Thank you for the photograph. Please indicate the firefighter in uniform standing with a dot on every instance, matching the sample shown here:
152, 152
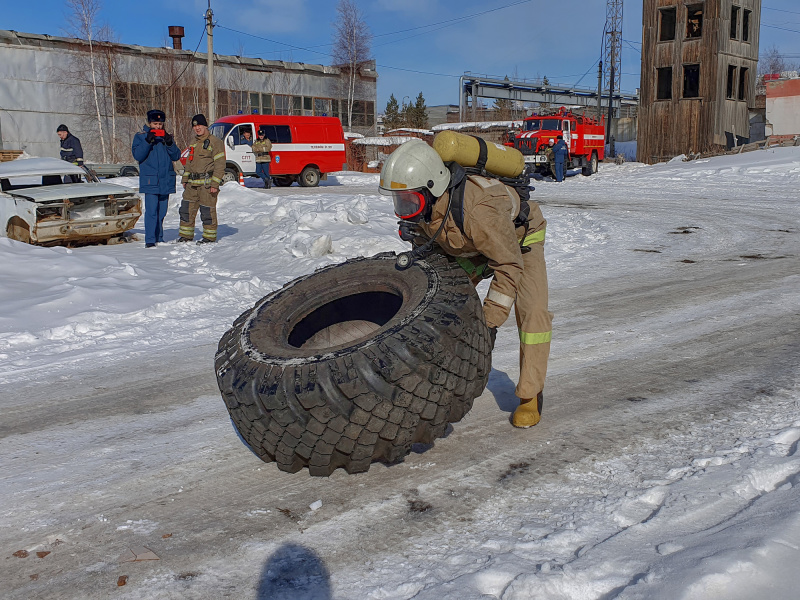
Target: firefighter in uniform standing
201, 181
261, 148
491, 240
551, 157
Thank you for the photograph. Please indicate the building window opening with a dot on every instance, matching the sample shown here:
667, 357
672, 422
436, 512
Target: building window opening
743, 83
664, 91
734, 22
691, 81
694, 22
746, 25
668, 18
730, 93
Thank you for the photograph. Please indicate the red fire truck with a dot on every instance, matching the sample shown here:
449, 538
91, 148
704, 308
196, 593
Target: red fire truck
584, 136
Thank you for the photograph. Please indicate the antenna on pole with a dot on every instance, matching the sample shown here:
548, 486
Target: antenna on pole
212, 109
612, 58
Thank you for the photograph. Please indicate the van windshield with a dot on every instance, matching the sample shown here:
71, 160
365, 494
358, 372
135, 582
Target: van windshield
220, 130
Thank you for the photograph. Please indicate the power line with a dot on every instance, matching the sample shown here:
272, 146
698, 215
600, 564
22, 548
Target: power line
445, 23
791, 12
188, 63
781, 28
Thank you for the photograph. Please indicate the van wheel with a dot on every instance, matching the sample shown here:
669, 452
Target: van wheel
129, 172
309, 177
230, 175
18, 230
285, 181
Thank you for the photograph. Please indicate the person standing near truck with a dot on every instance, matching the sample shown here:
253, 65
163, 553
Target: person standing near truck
155, 149
562, 152
261, 148
201, 181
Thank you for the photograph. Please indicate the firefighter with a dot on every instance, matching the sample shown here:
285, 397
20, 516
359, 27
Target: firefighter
71, 150
499, 236
155, 149
201, 181
551, 157
261, 148
561, 153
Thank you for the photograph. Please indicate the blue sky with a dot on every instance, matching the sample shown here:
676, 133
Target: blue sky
532, 38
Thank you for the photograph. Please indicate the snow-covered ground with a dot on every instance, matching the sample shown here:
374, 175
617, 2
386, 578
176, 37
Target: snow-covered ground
666, 465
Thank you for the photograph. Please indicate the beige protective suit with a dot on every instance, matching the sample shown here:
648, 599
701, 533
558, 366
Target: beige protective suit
491, 241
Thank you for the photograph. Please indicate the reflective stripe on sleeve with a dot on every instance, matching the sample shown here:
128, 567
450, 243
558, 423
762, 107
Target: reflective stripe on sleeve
218, 156
216, 180
534, 238
531, 339
500, 298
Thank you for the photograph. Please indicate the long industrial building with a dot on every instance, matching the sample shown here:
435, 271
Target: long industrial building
48, 80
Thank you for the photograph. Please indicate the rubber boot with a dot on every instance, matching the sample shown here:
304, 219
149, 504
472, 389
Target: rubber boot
528, 413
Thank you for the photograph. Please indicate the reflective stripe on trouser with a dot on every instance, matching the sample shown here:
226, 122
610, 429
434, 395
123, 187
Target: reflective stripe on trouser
198, 198
534, 321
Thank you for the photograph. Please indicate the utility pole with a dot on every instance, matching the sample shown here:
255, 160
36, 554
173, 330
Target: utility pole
599, 90
212, 109
612, 56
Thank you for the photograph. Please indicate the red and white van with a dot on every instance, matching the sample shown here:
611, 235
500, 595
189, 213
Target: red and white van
304, 149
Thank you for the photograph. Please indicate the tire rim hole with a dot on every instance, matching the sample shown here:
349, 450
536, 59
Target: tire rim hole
345, 320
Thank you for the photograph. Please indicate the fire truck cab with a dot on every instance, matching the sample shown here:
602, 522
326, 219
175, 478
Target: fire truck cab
583, 135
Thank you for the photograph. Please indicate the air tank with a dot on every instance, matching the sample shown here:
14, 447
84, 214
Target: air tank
465, 149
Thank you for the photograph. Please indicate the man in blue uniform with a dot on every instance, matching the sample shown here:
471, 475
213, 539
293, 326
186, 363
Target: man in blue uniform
561, 153
155, 149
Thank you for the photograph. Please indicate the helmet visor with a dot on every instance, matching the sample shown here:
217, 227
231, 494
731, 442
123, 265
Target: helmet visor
407, 203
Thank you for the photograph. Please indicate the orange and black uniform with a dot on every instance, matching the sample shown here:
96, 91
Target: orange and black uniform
205, 167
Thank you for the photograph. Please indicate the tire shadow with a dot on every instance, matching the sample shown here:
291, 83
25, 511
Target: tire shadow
502, 388
294, 572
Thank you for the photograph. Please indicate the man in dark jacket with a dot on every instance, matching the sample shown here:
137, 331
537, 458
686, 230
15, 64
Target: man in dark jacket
155, 149
71, 150
562, 153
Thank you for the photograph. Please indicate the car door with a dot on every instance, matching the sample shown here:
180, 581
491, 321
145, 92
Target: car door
568, 138
238, 150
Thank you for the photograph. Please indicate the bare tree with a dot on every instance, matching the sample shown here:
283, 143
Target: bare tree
772, 61
351, 48
83, 23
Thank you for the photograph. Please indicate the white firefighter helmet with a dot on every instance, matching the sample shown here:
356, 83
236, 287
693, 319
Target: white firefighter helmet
413, 166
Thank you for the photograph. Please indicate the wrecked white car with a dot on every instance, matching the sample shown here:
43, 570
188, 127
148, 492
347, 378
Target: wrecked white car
49, 201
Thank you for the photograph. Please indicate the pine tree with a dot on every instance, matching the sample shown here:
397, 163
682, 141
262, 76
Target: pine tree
391, 116
420, 113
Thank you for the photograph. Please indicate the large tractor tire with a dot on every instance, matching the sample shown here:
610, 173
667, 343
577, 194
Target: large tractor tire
355, 363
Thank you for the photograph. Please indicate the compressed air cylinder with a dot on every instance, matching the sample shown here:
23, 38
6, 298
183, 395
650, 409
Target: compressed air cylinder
465, 149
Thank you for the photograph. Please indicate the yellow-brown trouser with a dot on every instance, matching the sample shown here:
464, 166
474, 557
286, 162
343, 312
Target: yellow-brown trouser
196, 197
534, 320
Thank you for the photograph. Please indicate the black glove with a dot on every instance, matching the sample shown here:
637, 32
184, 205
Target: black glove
150, 138
492, 336
168, 139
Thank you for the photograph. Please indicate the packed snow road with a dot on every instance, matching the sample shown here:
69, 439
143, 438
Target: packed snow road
666, 464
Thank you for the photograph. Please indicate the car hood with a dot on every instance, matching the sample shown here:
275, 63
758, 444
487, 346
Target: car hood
53, 193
